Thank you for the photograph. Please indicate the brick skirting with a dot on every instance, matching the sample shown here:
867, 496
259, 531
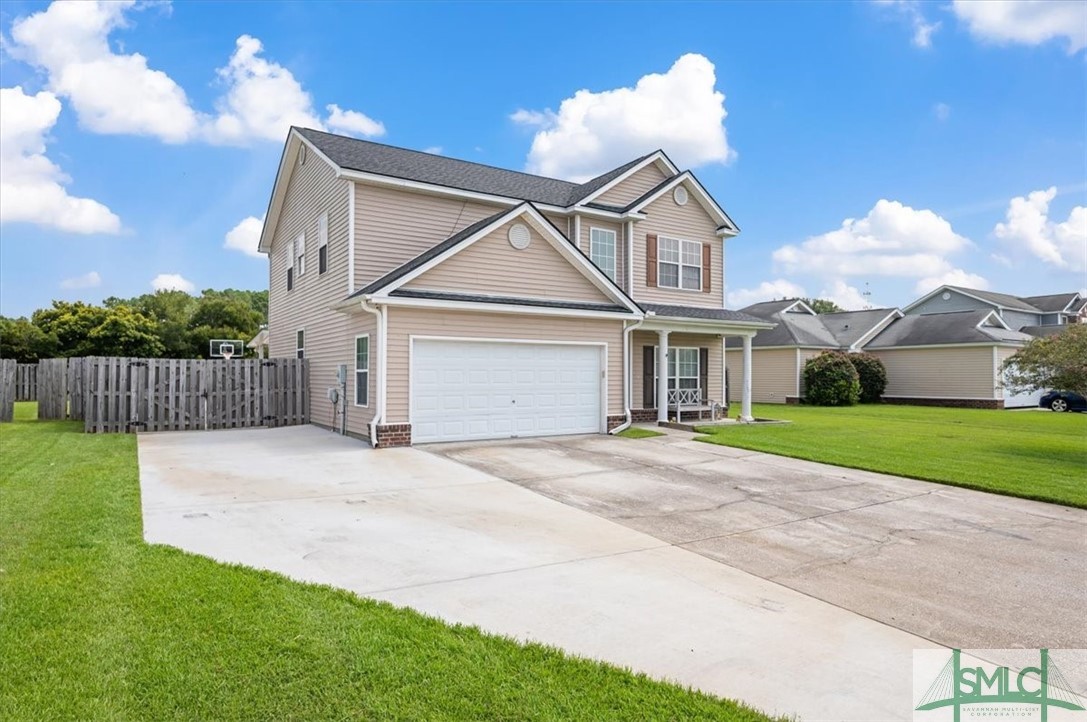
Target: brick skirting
614, 421
792, 400
389, 435
955, 403
643, 416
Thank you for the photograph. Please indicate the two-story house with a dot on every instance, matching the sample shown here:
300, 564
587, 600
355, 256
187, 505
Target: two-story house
473, 302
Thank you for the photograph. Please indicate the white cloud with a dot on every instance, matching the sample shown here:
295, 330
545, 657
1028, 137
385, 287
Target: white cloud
1063, 245
892, 240
846, 296
433, 150
910, 10
1002, 260
31, 186
245, 236
172, 282
765, 291
110, 92
353, 122
1026, 21
942, 111
87, 280
954, 277
679, 111
119, 93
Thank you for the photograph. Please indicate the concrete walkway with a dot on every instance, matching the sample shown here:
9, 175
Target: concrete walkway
420, 530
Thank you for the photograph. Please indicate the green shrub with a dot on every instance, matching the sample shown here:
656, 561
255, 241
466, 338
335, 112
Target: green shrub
831, 380
872, 375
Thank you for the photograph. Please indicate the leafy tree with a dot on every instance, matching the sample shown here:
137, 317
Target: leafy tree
23, 341
1053, 362
872, 375
85, 330
823, 305
71, 323
171, 311
831, 380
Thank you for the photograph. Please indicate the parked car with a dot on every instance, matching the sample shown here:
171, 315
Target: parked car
1063, 401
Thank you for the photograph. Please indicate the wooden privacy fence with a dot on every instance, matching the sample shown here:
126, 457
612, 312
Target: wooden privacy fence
26, 382
7, 389
53, 388
123, 394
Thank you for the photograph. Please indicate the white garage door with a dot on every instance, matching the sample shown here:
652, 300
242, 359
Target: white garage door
497, 390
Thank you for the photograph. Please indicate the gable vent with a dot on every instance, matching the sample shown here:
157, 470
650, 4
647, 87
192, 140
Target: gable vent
519, 236
680, 196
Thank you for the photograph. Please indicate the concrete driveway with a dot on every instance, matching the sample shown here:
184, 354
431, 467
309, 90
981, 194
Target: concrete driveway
416, 528
961, 568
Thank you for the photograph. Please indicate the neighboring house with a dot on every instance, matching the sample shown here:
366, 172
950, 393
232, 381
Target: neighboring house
949, 359
779, 354
470, 302
1033, 315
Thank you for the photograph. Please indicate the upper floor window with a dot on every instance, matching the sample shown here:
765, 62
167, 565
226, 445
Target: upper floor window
300, 344
602, 250
679, 264
289, 263
322, 243
300, 254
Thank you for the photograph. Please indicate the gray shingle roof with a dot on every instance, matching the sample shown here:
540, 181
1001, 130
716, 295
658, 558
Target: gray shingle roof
709, 314
1000, 299
848, 327
542, 303
1051, 303
943, 328
1043, 331
387, 160
768, 308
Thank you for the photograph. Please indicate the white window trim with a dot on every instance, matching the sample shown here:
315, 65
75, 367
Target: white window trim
322, 241
681, 265
301, 348
614, 251
355, 349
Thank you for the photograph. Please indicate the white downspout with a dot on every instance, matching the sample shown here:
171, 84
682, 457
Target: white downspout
382, 327
628, 371
577, 230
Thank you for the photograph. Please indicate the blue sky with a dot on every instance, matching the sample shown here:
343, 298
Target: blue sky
890, 145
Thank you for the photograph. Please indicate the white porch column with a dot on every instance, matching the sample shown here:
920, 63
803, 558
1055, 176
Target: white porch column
724, 376
662, 375
745, 402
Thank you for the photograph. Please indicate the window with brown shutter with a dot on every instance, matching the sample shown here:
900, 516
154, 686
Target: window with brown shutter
651, 260
706, 256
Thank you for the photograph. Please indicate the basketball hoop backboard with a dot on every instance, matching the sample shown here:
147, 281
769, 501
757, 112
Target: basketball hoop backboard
226, 348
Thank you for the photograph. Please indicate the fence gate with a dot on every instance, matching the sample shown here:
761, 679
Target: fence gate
7, 389
53, 388
26, 382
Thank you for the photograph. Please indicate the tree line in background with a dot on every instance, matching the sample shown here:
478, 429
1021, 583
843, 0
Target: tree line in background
165, 324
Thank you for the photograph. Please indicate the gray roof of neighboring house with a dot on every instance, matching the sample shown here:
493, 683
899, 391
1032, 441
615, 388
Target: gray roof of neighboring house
1051, 303
848, 327
709, 314
387, 160
1042, 331
943, 328
1000, 299
793, 329
543, 303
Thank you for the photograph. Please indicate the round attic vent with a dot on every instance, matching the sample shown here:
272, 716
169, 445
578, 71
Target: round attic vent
519, 236
946, 296
680, 196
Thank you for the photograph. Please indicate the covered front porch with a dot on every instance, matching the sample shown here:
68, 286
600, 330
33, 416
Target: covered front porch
692, 350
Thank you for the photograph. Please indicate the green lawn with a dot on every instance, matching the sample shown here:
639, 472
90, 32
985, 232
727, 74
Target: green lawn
634, 432
97, 625
1033, 454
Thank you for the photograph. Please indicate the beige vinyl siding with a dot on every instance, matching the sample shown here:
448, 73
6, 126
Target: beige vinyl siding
773, 375
562, 223
492, 266
620, 245
940, 373
688, 222
394, 226
634, 187
406, 322
313, 189
641, 339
